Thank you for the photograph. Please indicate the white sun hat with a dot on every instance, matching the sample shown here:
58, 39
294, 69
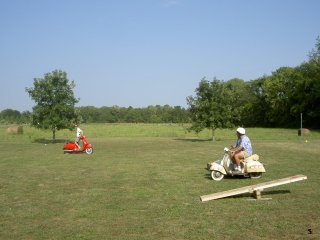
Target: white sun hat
241, 130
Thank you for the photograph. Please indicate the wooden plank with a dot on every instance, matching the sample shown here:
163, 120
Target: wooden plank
253, 188
278, 182
224, 194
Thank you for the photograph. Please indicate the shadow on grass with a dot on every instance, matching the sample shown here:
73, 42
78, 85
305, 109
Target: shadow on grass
264, 194
48, 141
226, 177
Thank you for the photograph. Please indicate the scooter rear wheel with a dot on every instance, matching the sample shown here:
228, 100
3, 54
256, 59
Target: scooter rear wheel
216, 175
255, 175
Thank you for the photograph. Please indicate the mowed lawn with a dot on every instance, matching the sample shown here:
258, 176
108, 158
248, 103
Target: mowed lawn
144, 181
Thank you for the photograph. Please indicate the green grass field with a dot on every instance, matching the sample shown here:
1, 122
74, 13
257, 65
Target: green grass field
143, 181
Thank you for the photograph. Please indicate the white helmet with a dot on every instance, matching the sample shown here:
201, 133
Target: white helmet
241, 130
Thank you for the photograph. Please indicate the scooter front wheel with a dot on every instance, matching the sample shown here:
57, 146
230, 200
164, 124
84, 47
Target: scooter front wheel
89, 150
216, 175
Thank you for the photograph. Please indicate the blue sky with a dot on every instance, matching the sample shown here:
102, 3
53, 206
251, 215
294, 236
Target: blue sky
147, 52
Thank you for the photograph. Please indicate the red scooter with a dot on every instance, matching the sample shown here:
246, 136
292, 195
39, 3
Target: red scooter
71, 147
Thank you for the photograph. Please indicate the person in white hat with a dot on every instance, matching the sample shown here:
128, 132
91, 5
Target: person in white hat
79, 133
244, 149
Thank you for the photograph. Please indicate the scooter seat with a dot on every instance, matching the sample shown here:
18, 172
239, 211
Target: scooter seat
254, 157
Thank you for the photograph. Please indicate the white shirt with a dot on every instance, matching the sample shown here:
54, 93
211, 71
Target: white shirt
79, 131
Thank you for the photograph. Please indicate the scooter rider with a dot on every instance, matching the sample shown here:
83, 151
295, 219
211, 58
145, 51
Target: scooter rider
243, 149
79, 133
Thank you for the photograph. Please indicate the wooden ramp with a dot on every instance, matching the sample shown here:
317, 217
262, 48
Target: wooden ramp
255, 189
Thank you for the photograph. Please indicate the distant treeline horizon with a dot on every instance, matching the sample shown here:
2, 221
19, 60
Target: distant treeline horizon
113, 114
277, 100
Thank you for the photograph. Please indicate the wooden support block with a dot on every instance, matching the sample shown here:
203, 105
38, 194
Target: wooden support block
257, 194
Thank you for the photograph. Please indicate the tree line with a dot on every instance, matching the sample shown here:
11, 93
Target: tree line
276, 100
14, 116
150, 114
114, 114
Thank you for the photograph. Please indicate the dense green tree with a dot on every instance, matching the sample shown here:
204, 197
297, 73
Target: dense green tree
214, 106
55, 102
278, 91
14, 116
281, 97
240, 98
154, 114
256, 107
179, 115
132, 115
314, 55
10, 116
89, 114
26, 117
306, 97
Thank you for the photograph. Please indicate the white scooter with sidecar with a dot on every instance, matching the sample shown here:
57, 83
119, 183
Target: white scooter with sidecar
250, 166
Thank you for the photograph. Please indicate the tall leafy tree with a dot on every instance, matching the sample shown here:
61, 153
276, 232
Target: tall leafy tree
279, 89
240, 98
311, 87
213, 107
314, 55
55, 102
307, 93
255, 106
